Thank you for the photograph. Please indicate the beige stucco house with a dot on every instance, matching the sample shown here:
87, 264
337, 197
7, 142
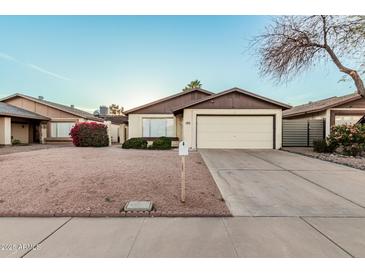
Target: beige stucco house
52, 125
234, 118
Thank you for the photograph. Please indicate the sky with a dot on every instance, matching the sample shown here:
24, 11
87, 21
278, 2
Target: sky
90, 61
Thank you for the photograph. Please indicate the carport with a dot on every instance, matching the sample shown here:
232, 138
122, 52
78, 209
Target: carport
19, 124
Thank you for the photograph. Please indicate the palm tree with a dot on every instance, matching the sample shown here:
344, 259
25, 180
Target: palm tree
192, 85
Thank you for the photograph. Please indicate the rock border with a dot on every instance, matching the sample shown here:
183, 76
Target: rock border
330, 157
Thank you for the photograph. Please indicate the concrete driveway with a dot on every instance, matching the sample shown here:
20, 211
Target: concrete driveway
279, 183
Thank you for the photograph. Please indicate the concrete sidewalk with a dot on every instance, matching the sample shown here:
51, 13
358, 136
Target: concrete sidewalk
183, 237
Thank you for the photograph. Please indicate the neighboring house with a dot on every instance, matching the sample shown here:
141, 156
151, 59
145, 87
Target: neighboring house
58, 119
234, 118
335, 110
19, 124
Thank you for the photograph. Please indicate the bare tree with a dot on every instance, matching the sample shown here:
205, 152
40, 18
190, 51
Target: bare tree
292, 44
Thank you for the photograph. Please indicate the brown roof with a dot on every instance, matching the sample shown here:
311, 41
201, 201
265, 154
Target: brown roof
116, 119
168, 98
321, 105
68, 109
239, 90
13, 111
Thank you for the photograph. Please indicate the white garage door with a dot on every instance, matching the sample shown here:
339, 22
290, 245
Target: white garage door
235, 132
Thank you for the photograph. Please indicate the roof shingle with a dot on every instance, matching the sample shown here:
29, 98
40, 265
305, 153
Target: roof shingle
116, 119
13, 111
320, 105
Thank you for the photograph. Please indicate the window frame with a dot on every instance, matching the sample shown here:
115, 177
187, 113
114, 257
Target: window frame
173, 133
55, 123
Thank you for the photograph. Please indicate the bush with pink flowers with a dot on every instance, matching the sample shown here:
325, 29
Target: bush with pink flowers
90, 134
350, 139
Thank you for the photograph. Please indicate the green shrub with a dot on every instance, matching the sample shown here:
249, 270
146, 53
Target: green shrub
322, 146
162, 143
136, 143
90, 134
15, 142
350, 138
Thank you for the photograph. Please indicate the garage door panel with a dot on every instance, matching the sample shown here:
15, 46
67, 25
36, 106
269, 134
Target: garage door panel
235, 132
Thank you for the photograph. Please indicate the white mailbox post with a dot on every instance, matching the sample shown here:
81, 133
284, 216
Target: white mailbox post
183, 151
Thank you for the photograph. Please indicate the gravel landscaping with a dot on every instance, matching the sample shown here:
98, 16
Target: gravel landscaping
71, 181
355, 162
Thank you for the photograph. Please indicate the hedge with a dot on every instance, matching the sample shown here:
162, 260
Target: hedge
136, 143
161, 143
90, 134
322, 146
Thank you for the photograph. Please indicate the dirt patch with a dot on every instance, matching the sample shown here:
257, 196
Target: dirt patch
355, 162
72, 181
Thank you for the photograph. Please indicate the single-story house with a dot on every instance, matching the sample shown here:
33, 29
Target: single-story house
337, 110
17, 124
58, 119
234, 118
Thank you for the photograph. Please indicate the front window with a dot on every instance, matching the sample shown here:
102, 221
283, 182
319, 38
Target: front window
157, 127
346, 119
61, 129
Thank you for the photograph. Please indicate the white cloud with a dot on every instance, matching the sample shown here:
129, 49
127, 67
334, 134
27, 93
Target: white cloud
48, 72
7, 57
34, 67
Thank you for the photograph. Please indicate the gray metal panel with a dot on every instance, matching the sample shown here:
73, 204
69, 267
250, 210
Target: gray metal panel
302, 132
316, 130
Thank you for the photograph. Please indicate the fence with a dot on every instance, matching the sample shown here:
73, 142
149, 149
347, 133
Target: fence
301, 133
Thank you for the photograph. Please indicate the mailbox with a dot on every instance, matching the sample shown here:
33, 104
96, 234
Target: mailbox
183, 149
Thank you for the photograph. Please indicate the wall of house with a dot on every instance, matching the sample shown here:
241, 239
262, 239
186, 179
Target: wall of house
135, 123
122, 133
309, 116
179, 126
234, 100
20, 131
189, 122
114, 132
167, 106
5, 131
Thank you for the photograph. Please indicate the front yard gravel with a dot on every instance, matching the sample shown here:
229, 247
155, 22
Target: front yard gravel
70, 181
355, 162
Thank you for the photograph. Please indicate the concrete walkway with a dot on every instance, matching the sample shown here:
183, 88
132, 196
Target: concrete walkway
278, 183
183, 237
